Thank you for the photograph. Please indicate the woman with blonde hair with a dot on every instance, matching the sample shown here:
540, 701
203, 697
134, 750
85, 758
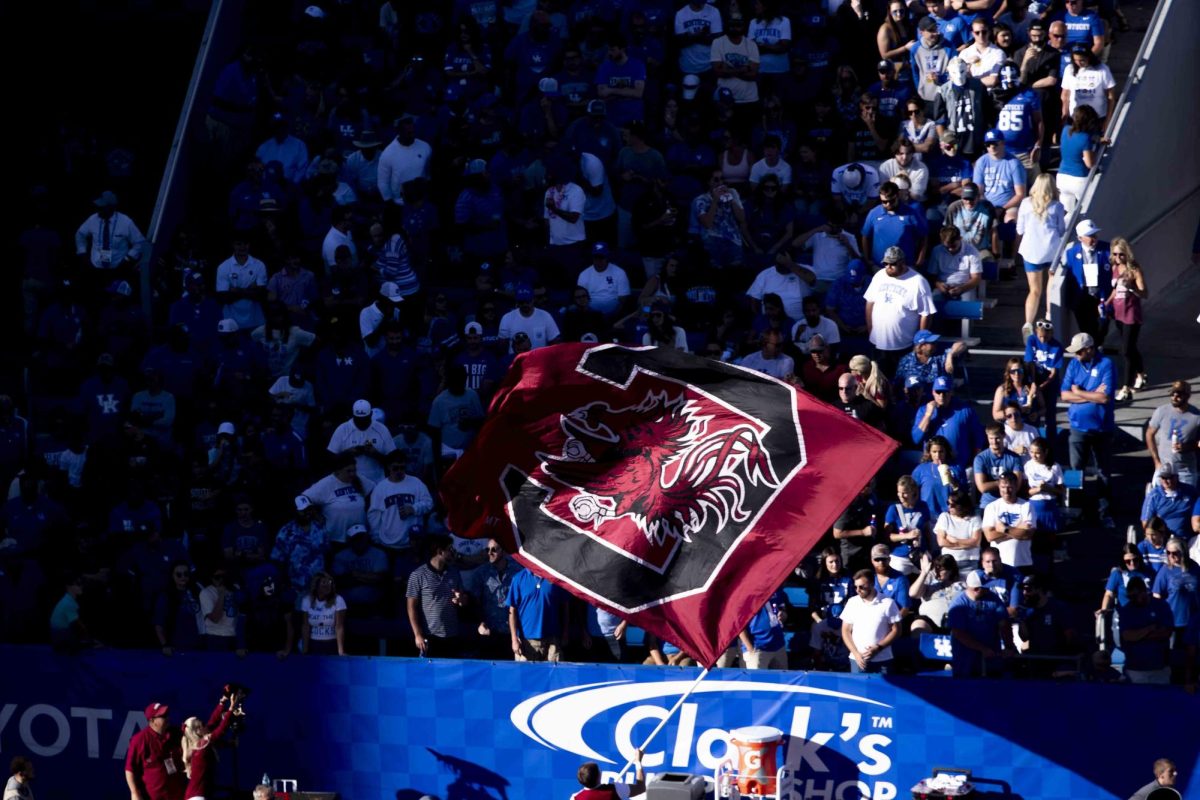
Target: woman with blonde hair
1041, 224
1129, 290
199, 755
323, 615
872, 383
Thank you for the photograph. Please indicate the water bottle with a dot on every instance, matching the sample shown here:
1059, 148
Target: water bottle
266, 781
1103, 311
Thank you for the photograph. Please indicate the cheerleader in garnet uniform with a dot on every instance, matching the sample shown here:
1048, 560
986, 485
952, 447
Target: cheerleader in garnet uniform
199, 755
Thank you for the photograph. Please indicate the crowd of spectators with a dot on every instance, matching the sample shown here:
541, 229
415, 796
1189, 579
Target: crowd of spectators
409, 199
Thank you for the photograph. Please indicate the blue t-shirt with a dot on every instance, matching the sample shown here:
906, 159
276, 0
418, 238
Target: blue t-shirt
904, 230
847, 300
992, 466
1082, 28
891, 98
934, 493
895, 586
834, 592
980, 619
765, 628
622, 110
1147, 654
1017, 124
945, 169
959, 424
1006, 584
1045, 356
1155, 557
1175, 510
906, 519
1181, 589
1091, 417
998, 177
1072, 146
1119, 579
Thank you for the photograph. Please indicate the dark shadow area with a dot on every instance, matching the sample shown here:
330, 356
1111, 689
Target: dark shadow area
471, 781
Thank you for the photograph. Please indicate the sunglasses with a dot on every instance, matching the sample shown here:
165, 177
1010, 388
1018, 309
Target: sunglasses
1175, 553
859, 588
1046, 326
1014, 371
1010, 416
1129, 560
494, 550
880, 560
1057, 35
979, 33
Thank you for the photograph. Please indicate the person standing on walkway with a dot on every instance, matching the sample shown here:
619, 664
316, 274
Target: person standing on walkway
1087, 387
1125, 302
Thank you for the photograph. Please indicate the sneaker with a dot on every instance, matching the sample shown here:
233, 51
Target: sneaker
1026, 331
1124, 395
1141, 382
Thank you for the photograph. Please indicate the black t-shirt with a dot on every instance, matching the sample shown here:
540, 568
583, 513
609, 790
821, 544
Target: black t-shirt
863, 409
858, 515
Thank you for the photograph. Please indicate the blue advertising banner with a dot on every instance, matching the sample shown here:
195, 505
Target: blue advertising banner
397, 729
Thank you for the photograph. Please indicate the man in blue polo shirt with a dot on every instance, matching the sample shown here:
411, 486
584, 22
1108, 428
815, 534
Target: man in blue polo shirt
891, 223
889, 582
1001, 178
993, 462
536, 617
1088, 387
763, 640
947, 416
1171, 501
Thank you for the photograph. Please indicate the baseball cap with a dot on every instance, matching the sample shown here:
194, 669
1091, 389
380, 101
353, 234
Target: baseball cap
597, 108
589, 338
994, 135
852, 176
366, 140
942, 383
883, 66
121, 287
105, 200
391, 291
226, 429
1080, 341
157, 710
1079, 48
1037, 8
302, 502
521, 336
473, 327
974, 581
362, 408
227, 326
523, 292
893, 255
1085, 227
927, 24
1167, 470
723, 95
476, 166
691, 85
912, 382
316, 12
922, 337
970, 192
856, 269
816, 342
356, 530
600, 249
949, 137
548, 86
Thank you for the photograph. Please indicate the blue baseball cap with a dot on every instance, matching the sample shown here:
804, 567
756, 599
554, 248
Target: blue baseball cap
600, 249
994, 135
856, 269
911, 382
943, 384
921, 337
524, 292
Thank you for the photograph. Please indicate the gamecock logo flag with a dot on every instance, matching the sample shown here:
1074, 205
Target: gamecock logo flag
675, 491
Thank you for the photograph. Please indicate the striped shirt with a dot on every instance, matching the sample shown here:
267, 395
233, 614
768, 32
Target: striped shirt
393, 265
434, 589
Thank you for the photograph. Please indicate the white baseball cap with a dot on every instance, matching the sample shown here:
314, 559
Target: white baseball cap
1085, 227
391, 291
691, 85
974, 581
316, 12
227, 429
302, 502
362, 408
473, 327
227, 326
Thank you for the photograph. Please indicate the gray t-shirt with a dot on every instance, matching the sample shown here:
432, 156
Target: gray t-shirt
1170, 422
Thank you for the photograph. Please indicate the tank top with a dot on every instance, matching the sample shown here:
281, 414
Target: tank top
736, 173
1127, 306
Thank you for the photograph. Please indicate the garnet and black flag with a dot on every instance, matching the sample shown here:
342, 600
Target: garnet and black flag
675, 491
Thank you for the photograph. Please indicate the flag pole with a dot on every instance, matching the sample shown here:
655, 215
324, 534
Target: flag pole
671, 713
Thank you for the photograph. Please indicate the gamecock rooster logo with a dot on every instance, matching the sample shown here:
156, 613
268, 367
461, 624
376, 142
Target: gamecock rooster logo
646, 477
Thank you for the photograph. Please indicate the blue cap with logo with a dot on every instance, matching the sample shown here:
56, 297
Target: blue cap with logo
921, 337
942, 383
994, 135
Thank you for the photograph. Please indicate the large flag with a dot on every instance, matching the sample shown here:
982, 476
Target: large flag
675, 491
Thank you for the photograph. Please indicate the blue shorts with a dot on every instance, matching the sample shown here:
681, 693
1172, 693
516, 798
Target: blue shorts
1036, 267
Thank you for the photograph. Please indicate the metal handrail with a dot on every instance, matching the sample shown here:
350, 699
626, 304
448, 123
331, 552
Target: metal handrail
1112, 134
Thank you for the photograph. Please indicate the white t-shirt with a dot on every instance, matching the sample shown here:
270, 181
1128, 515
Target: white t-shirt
916, 172
737, 55
831, 254
388, 528
781, 170
606, 288
227, 626
1088, 86
347, 436
1021, 439
771, 32
694, 58
322, 618
1013, 552
899, 305
681, 342
871, 621
789, 287
399, 164
802, 332
955, 269
539, 326
341, 504
868, 189
569, 197
983, 62
232, 275
1042, 475
960, 528
1040, 237
333, 240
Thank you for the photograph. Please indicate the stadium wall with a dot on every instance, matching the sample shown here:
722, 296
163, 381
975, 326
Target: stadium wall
395, 729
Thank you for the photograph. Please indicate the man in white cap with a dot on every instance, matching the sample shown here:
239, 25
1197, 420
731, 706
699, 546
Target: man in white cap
1088, 278
365, 438
108, 239
372, 319
1088, 388
853, 186
899, 303
980, 626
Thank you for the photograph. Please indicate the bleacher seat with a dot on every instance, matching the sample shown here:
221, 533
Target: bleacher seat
797, 596
965, 311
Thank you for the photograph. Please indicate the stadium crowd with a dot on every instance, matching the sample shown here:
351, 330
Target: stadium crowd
406, 200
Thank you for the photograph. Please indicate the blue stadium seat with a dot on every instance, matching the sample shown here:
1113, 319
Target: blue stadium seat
1073, 478
797, 596
634, 637
964, 310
